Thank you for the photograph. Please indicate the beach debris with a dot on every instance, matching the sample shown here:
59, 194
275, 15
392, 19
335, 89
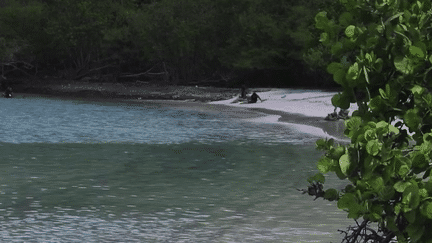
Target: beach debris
342, 115
283, 96
331, 116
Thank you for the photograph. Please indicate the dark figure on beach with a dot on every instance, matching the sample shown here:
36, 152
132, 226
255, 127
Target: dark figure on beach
8, 92
254, 98
243, 92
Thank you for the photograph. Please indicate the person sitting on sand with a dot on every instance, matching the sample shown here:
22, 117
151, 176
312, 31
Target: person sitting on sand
243, 92
8, 92
254, 98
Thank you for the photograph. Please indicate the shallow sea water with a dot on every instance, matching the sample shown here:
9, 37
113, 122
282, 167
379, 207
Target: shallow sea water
80, 171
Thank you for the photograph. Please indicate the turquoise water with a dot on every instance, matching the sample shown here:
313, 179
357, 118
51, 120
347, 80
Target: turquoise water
106, 172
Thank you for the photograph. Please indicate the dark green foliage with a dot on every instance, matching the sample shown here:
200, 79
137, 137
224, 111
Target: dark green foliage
381, 56
185, 40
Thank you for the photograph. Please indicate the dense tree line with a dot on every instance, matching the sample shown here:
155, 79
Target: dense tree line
170, 40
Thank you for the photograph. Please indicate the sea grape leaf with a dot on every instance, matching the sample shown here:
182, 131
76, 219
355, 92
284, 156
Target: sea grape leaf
411, 118
321, 20
369, 58
341, 101
339, 77
411, 196
350, 31
377, 184
383, 94
415, 232
344, 164
345, 18
428, 100
417, 90
403, 170
421, 45
339, 173
331, 194
426, 209
416, 51
387, 193
333, 67
353, 73
419, 161
336, 48
321, 144
372, 41
401, 185
336, 153
423, 193
370, 135
378, 64
324, 37
346, 200
324, 164
318, 177
353, 124
377, 103
404, 64
373, 147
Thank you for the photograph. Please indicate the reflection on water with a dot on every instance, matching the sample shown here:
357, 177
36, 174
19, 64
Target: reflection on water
209, 180
56, 121
222, 192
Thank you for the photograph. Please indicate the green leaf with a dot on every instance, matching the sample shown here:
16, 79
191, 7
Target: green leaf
377, 184
321, 144
333, 67
324, 165
321, 20
339, 77
411, 197
345, 18
346, 201
419, 161
369, 58
353, 124
403, 170
415, 232
317, 178
373, 147
416, 51
378, 65
401, 185
324, 37
370, 135
404, 65
377, 104
336, 153
422, 46
412, 119
336, 48
341, 101
426, 209
417, 90
353, 73
383, 94
350, 31
344, 164
331, 194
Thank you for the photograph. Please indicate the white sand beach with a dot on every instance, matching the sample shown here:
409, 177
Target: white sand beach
303, 109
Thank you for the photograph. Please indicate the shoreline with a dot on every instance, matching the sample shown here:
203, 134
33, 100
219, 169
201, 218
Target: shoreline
210, 99
306, 124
